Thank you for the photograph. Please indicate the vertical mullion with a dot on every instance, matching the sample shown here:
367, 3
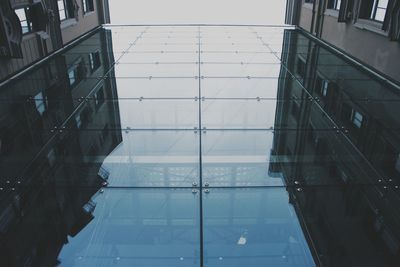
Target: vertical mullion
200, 150
65, 9
26, 20
375, 7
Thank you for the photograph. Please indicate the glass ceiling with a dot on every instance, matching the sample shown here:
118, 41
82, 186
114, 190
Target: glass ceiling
199, 146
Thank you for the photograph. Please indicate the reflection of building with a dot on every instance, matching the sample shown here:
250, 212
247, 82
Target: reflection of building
30, 30
369, 30
49, 162
346, 137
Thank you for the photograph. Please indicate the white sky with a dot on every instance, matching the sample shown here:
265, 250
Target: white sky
197, 11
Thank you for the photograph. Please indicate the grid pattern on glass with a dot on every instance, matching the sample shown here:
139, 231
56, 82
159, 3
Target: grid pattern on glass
205, 146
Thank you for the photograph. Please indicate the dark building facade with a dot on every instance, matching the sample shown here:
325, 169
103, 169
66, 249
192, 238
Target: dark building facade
368, 30
31, 30
50, 160
341, 148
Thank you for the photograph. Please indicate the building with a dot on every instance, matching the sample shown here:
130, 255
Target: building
340, 143
56, 128
31, 30
368, 30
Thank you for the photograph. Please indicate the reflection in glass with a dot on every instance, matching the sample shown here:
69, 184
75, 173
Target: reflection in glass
199, 146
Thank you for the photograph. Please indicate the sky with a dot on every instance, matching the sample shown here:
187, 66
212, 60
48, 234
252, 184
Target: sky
197, 11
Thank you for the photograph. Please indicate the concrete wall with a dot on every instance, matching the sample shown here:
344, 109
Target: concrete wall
360, 38
32, 50
306, 16
373, 48
73, 28
37, 45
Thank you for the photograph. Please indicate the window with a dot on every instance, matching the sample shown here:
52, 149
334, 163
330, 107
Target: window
390, 161
346, 112
322, 86
356, 118
73, 76
40, 103
334, 4
94, 60
379, 10
87, 6
301, 68
325, 85
352, 115
26, 24
62, 10
99, 98
51, 157
295, 110
78, 120
76, 73
373, 9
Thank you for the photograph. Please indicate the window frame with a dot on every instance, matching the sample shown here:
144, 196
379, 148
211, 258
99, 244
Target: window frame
99, 98
78, 120
355, 120
322, 88
374, 10
303, 68
29, 24
40, 102
334, 5
65, 10
73, 70
87, 7
92, 62
367, 11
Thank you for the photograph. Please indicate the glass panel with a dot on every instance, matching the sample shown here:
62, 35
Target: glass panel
239, 158
361, 226
240, 70
156, 114
170, 46
23, 20
132, 158
92, 227
156, 70
249, 57
256, 227
142, 113
294, 161
380, 14
383, 3
275, 158
157, 88
243, 47
61, 9
238, 114
162, 57
239, 88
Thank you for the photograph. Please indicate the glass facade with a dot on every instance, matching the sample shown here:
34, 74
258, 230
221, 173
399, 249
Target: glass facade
199, 146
